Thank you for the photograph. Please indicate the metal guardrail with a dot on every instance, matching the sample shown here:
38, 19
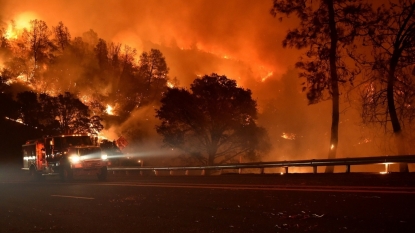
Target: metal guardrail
314, 163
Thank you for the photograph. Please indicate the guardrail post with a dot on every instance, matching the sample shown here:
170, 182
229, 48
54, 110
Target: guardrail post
187, 172
348, 168
240, 161
126, 173
261, 171
203, 172
156, 172
286, 170
314, 169
171, 172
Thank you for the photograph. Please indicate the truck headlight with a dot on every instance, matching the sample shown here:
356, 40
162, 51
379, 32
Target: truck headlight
104, 156
75, 158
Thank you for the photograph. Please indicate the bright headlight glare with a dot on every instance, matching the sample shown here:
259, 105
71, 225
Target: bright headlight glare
104, 157
75, 158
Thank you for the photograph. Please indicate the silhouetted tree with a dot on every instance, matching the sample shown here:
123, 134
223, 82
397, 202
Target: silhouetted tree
8, 106
153, 69
62, 37
5, 76
95, 125
114, 53
128, 87
18, 62
325, 28
390, 93
141, 84
52, 62
69, 114
30, 108
79, 47
90, 37
127, 68
213, 122
101, 52
38, 43
4, 43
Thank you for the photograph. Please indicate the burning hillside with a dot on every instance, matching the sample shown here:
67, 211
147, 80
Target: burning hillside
104, 51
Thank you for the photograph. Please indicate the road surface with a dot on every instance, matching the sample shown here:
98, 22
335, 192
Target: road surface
226, 203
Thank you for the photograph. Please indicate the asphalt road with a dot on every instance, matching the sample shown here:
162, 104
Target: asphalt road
226, 203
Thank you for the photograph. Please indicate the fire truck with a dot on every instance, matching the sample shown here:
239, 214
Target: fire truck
64, 155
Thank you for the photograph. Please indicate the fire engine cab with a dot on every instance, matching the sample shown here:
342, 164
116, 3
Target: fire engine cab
64, 155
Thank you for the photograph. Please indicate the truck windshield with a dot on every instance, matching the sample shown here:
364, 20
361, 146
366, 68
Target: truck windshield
95, 151
73, 141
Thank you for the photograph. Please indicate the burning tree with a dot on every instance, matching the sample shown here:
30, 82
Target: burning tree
49, 61
37, 38
153, 69
62, 37
70, 113
153, 66
4, 44
326, 28
61, 114
212, 123
146, 80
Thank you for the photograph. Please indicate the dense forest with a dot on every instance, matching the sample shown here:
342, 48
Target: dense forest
43, 65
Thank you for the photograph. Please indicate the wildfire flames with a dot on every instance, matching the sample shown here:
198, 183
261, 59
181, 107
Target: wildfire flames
207, 40
169, 84
109, 110
16, 25
288, 136
10, 33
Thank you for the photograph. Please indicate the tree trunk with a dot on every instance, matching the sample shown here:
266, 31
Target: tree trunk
334, 86
211, 160
391, 101
401, 145
396, 126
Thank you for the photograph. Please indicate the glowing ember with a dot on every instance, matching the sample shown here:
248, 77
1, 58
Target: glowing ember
364, 141
16, 120
9, 82
267, 76
288, 136
169, 84
109, 110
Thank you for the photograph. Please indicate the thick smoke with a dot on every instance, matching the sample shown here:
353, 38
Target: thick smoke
245, 31
239, 39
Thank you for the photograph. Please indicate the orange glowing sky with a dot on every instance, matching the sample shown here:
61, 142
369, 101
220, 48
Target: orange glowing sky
244, 32
237, 38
